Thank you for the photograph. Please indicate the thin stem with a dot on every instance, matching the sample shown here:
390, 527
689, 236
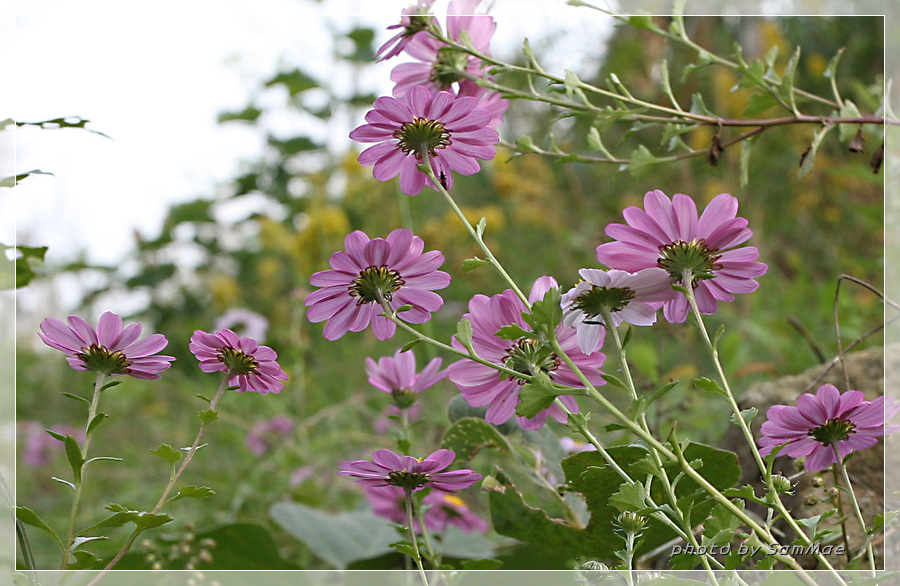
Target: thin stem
79, 480
407, 492
839, 505
859, 516
172, 480
425, 167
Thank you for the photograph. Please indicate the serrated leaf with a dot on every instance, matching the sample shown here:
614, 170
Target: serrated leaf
546, 313
759, 103
709, 385
513, 332
722, 525
753, 75
195, 492
631, 496
118, 519
535, 396
207, 416
167, 453
571, 83
470, 264
29, 517
641, 162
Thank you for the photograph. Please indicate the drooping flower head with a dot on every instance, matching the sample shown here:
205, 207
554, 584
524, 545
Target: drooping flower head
414, 19
397, 375
826, 421
627, 296
390, 469
252, 367
440, 66
390, 270
112, 348
441, 509
482, 385
668, 234
451, 132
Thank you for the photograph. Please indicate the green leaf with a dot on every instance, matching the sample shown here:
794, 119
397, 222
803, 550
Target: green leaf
613, 380
26, 255
709, 385
464, 334
535, 396
807, 159
117, 519
110, 385
293, 146
195, 492
722, 525
406, 548
631, 496
410, 345
73, 454
698, 106
571, 83
29, 517
469, 435
77, 398
747, 415
167, 453
526, 144
759, 103
13, 180
787, 80
753, 75
480, 227
642, 162
295, 81
546, 313
642, 21
61, 481
144, 520
97, 420
337, 539
207, 416
248, 114
83, 560
513, 332
661, 391
746, 150
848, 131
470, 264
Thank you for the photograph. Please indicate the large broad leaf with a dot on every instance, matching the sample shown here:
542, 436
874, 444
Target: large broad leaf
338, 539
588, 474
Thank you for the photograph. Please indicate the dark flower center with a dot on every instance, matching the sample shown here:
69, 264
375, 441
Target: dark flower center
421, 137
98, 358
530, 357
448, 66
406, 479
238, 362
376, 284
596, 299
834, 430
694, 256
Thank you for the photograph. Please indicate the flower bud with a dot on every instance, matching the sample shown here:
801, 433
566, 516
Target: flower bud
631, 523
781, 484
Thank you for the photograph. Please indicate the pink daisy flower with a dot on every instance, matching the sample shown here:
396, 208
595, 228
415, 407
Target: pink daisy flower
628, 297
265, 434
482, 385
439, 66
390, 469
825, 421
373, 272
251, 367
397, 375
111, 349
669, 235
442, 509
451, 132
414, 19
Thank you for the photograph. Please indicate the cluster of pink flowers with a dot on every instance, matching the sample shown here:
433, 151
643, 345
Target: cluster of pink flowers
113, 349
438, 113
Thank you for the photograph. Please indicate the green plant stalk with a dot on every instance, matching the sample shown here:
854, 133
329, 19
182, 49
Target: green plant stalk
407, 493
859, 516
79, 484
840, 511
425, 167
173, 478
687, 280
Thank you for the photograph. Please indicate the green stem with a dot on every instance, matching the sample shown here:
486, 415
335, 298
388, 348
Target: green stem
172, 480
407, 492
859, 516
79, 481
687, 281
425, 167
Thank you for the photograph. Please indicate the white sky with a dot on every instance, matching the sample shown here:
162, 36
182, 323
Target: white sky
154, 81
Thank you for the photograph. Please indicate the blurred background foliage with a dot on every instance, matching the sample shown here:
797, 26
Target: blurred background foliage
254, 242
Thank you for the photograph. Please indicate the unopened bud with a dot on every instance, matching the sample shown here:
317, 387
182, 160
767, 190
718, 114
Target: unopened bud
781, 484
630, 522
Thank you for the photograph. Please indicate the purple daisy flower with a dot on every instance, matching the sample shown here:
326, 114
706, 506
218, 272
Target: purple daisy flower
451, 132
371, 272
265, 434
397, 375
390, 469
251, 367
439, 66
630, 297
668, 234
825, 421
482, 385
442, 509
414, 19
111, 349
